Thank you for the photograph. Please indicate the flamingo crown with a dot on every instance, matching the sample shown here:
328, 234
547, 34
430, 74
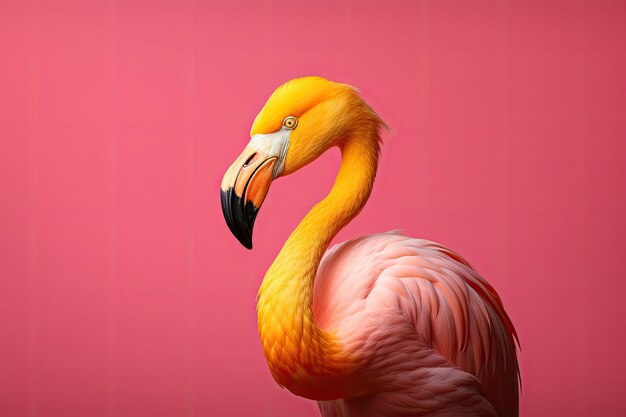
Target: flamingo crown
384, 325
327, 113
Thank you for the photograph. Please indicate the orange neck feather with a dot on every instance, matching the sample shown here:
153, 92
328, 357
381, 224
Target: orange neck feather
302, 357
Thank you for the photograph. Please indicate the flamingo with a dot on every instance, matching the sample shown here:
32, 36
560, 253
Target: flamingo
382, 325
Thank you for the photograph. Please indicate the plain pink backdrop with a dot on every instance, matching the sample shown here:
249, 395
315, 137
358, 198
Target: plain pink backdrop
122, 292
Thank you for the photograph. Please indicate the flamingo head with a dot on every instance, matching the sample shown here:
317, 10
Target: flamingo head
300, 121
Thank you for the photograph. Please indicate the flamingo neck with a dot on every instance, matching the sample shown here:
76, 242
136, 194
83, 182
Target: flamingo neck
307, 360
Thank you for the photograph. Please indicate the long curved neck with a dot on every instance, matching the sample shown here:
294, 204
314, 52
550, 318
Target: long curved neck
302, 357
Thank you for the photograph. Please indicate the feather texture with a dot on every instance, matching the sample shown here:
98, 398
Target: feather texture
387, 294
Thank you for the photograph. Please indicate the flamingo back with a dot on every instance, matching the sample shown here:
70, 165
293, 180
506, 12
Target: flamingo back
447, 304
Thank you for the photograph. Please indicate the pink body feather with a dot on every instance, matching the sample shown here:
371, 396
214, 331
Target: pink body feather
430, 333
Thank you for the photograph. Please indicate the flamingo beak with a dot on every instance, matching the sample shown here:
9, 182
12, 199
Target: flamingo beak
243, 190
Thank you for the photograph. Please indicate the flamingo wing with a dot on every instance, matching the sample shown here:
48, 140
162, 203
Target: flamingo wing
448, 305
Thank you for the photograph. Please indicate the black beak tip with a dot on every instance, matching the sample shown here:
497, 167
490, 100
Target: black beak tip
239, 217
247, 244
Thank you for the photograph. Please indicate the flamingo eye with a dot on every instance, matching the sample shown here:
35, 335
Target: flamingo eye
290, 122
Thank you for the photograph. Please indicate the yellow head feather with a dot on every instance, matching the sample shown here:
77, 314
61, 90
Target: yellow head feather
327, 112
294, 98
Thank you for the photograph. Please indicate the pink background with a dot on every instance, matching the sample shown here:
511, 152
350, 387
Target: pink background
122, 292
